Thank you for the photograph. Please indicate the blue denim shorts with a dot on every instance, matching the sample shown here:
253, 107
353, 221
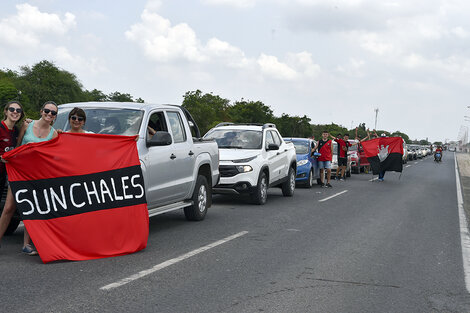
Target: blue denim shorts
324, 164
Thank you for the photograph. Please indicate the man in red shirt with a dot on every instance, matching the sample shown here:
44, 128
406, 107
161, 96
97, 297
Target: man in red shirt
325, 148
343, 146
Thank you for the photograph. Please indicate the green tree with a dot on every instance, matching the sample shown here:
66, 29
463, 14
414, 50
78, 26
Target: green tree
402, 135
293, 126
120, 97
95, 95
250, 112
44, 81
206, 109
332, 128
8, 91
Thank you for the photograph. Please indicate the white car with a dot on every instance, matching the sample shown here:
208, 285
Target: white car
252, 159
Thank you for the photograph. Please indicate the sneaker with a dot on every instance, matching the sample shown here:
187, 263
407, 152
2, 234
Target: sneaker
329, 185
380, 179
341, 179
323, 185
29, 250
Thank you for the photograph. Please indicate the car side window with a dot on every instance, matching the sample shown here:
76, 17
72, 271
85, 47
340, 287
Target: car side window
156, 123
177, 127
277, 139
269, 139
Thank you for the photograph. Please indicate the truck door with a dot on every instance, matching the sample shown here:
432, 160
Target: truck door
283, 166
274, 158
184, 156
160, 182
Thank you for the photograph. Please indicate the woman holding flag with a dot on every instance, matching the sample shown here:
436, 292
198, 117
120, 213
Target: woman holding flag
12, 114
34, 131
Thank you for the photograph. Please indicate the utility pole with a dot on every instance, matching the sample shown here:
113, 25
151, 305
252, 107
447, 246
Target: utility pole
376, 114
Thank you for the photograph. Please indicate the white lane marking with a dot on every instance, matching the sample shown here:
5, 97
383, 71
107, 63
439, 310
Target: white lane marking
293, 229
335, 195
375, 178
171, 262
464, 236
408, 166
416, 162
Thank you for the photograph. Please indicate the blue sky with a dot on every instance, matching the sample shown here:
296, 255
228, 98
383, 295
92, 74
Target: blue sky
334, 61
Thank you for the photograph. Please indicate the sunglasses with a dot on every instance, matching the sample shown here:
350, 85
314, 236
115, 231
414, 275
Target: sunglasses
18, 110
47, 111
79, 118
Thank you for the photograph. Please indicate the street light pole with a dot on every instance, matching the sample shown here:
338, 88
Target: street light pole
376, 113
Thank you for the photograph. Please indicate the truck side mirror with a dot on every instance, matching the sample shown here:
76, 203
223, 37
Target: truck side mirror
272, 146
161, 138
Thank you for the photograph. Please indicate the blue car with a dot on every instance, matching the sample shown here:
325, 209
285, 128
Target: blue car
307, 166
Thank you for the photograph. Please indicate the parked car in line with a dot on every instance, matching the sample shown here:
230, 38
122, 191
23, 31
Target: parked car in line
308, 172
252, 159
334, 163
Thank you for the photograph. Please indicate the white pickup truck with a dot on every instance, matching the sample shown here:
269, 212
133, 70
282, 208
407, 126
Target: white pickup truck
252, 159
179, 167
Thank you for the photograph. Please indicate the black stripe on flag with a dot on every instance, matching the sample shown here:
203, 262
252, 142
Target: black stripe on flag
65, 196
393, 162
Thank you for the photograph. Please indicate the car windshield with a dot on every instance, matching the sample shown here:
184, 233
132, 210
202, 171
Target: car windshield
236, 138
301, 147
105, 121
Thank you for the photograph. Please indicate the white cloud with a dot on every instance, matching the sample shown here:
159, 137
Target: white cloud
303, 63
165, 43
162, 42
30, 25
77, 63
271, 67
233, 3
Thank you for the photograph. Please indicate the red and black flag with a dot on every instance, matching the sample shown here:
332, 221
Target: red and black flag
384, 154
81, 196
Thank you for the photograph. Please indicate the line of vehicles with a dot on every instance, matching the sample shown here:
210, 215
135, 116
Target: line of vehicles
182, 169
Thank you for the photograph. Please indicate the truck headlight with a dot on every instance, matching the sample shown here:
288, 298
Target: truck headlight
244, 168
302, 162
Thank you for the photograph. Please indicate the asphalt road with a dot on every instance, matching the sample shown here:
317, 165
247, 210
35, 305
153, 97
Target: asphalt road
391, 246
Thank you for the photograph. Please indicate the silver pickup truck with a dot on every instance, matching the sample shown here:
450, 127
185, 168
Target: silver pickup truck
179, 168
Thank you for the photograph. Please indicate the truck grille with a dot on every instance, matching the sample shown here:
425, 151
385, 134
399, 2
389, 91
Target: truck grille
228, 170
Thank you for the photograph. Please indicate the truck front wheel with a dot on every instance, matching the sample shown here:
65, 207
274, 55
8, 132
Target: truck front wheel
288, 186
260, 195
197, 211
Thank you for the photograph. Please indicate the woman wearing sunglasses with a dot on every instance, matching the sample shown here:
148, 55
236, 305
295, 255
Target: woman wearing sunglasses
35, 131
12, 114
40, 130
77, 119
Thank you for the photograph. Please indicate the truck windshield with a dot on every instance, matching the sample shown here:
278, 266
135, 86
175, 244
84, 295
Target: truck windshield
105, 121
236, 138
301, 147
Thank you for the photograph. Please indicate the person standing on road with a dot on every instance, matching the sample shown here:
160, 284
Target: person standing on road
325, 148
382, 173
35, 131
343, 146
12, 114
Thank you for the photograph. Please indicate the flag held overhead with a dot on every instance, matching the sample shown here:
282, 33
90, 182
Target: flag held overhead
384, 154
